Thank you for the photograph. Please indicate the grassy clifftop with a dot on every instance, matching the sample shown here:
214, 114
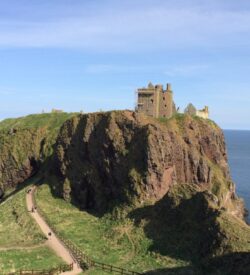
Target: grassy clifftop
25, 143
51, 121
123, 157
158, 192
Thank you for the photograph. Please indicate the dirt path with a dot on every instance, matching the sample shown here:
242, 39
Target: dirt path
53, 242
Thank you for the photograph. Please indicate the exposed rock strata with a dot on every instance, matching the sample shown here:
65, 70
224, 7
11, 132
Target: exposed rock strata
20, 155
25, 144
126, 157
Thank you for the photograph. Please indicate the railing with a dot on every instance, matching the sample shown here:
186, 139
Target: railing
52, 271
82, 259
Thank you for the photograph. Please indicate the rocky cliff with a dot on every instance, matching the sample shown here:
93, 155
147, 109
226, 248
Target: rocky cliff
105, 159
169, 176
25, 144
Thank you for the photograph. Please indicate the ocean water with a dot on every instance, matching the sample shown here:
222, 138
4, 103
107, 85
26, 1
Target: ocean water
238, 147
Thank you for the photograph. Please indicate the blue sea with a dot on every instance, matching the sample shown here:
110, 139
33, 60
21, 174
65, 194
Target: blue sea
238, 147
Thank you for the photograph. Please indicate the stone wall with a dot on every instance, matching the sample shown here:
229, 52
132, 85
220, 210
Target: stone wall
155, 101
203, 113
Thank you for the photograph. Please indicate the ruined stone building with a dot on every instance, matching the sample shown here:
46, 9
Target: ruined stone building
204, 113
191, 110
155, 101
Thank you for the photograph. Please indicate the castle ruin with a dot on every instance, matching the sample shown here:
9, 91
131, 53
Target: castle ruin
204, 113
155, 101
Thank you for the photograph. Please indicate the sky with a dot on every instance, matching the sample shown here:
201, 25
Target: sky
91, 55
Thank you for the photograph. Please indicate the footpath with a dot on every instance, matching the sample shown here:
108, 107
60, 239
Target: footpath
53, 241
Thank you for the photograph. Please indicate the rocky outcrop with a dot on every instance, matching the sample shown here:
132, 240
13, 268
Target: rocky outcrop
20, 155
25, 144
123, 157
170, 177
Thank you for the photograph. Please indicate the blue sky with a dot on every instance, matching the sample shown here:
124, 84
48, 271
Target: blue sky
91, 55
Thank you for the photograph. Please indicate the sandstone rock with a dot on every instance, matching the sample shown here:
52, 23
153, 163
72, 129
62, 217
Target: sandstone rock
123, 157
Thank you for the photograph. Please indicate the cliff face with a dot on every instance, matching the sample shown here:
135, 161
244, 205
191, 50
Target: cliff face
170, 177
25, 143
21, 152
121, 157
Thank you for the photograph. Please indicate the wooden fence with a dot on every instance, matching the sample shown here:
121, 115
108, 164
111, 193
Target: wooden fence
81, 258
52, 271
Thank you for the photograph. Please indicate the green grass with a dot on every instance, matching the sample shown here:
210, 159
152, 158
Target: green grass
114, 242
17, 228
237, 232
21, 241
25, 139
50, 120
39, 258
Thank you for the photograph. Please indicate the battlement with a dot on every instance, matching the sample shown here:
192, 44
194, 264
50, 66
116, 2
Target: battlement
155, 101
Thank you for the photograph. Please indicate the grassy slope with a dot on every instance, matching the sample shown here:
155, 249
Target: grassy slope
31, 129
112, 242
122, 244
16, 226
115, 242
17, 229
50, 120
37, 258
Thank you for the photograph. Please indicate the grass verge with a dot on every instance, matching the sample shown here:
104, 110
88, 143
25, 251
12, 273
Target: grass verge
116, 242
18, 235
17, 228
38, 258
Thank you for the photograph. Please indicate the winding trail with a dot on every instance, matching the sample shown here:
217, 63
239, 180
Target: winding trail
53, 241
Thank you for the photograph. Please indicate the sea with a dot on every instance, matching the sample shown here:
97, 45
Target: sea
238, 148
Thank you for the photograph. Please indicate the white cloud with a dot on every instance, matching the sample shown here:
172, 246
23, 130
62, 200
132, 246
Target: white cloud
155, 27
186, 70
114, 68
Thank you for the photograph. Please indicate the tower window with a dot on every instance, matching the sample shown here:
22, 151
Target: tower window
152, 101
164, 98
165, 106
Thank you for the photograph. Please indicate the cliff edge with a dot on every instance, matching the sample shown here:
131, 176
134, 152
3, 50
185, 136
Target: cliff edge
105, 159
25, 145
170, 177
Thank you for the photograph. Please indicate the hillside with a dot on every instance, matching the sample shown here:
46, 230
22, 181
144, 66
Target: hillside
171, 177
104, 160
25, 144
158, 188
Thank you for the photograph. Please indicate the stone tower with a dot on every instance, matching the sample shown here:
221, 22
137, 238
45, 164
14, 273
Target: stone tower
155, 101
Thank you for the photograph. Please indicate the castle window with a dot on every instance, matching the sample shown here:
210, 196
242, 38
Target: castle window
164, 98
165, 106
152, 101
